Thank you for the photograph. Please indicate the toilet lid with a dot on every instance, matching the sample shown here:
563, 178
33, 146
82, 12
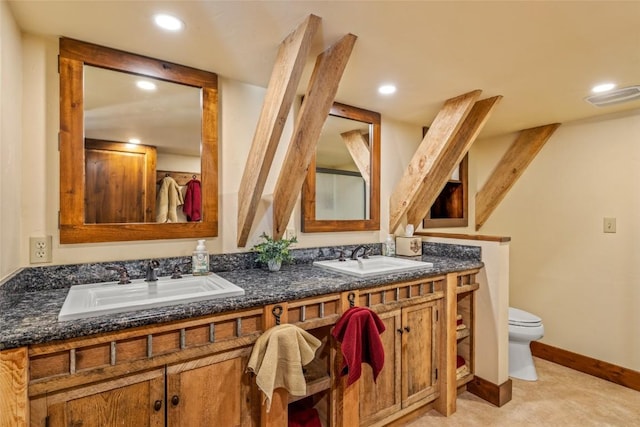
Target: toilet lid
519, 317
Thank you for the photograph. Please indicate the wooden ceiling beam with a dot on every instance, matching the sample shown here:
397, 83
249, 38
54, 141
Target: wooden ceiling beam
359, 149
317, 102
279, 97
442, 131
512, 165
449, 158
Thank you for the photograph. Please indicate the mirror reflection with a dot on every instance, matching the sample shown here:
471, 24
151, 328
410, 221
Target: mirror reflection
343, 163
134, 164
342, 188
142, 149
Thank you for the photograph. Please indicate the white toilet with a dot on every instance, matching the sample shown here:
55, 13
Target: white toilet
524, 327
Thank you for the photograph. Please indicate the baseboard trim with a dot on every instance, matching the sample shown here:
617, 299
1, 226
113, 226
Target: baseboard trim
607, 371
495, 394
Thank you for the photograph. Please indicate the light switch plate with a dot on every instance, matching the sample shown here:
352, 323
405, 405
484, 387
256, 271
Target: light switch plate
609, 225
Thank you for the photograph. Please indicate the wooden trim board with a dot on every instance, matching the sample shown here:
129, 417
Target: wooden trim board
480, 237
598, 368
495, 394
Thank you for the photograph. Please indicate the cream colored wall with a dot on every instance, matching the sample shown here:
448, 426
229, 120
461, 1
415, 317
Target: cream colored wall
10, 142
240, 106
492, 309
583, 283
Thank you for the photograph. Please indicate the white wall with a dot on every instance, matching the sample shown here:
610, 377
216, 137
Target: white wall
10, 142
240, 106
583, 283
491, 309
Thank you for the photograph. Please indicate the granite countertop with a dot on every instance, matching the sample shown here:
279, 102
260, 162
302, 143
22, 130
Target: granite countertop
31, 316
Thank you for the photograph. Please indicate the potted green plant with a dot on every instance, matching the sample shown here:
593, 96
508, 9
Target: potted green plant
273, 252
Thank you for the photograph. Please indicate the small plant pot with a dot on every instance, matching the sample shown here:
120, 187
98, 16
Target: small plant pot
274, 264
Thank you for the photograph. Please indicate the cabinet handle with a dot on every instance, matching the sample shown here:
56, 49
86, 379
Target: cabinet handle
406, 328
157, 405
175, 400
400, 331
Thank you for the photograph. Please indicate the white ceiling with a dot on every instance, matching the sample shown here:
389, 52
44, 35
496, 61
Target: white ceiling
542, 56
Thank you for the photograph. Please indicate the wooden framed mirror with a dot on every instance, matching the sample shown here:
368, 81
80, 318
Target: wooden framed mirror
341, 191
99, 172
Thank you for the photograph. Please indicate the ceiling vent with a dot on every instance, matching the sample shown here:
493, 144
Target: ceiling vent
616, 96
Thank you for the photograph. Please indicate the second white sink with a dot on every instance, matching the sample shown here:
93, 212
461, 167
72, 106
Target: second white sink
373, 265
108, 298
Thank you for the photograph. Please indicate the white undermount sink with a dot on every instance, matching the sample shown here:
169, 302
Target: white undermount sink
373, 265
108, 298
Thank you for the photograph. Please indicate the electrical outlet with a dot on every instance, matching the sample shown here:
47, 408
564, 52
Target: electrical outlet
609, 225
40, 249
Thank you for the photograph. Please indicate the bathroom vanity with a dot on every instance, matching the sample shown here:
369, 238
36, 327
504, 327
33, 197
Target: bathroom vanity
186, 364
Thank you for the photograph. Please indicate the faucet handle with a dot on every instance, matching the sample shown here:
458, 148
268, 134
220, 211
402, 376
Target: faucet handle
367, 252
177, 273
341, 257
124, 274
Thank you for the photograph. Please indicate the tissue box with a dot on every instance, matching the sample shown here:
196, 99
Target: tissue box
408, 246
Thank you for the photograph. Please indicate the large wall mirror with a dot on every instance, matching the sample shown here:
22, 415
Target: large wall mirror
341, 191
138, 147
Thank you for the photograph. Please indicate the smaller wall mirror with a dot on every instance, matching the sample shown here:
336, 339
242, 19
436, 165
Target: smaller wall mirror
450, 209
342, 189
112, 189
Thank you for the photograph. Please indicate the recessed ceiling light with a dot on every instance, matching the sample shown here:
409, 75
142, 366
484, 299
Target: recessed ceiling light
134, 140
146, 85
387, 89
604, 87
168, 22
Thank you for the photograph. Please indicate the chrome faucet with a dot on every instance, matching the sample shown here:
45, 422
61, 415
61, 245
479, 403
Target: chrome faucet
365, 252
124, 274
152, 271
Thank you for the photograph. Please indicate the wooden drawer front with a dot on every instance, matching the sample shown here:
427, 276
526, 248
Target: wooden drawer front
467, 282
139, 346
314, 312
402, 292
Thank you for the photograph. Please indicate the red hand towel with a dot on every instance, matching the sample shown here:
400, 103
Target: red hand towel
304, 418
359, 332
193, 201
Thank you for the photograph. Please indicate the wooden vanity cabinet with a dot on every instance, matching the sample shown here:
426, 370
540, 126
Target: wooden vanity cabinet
409, 379
186, 373
214, 390
134, 401
203, 392
466, 286
193, 372
383, 398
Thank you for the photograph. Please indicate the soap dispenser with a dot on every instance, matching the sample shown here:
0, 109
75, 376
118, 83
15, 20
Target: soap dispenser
389, 246
200, 260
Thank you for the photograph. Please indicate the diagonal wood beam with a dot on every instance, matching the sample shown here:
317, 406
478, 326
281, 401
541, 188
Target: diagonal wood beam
442, 130
512, 165
359, 149
280, 94
318, 99
449, 158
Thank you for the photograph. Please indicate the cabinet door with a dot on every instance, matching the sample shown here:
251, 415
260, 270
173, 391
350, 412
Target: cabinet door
120, 182
382, 398
419, 352
134, 401
212, 391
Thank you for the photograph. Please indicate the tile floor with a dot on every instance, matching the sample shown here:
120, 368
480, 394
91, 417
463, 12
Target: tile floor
561, 397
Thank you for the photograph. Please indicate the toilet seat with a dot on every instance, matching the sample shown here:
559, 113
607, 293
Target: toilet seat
523, 318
